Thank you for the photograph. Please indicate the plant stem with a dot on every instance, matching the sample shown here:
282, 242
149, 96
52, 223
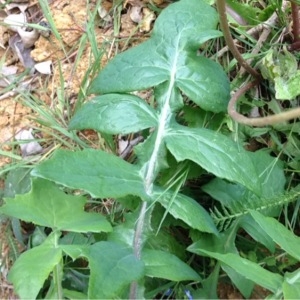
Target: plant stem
221, 6
259, 122
296, 21
139, 230
151, 167
57, 280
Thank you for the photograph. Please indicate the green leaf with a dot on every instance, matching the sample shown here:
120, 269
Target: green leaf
279, 233
74, 251
248, 224
47, 205
170, 57
245, 268
244, 285
225, 243
17, 182
282, 69
113, 267
222, 243
287, 89
215, 153
143, 68
239, 201
115, 114
33, 267
168, 266
186, 209
291, 285
195, 78
270, 173
124, 232
246, 11
74, 295
99, 173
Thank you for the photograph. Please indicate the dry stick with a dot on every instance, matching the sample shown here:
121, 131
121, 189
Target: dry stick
267, 25
259, 122
263, 121
221, 6
296, 21
263, 37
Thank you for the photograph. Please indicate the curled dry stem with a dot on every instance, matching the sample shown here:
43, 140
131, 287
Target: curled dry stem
260, 29
262, 121
296, 21
221, 6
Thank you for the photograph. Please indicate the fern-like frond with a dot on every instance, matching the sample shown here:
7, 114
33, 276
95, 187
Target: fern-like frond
223, 217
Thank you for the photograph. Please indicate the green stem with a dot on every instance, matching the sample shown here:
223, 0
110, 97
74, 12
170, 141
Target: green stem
151, 168
57, 274
57, 281
221, 6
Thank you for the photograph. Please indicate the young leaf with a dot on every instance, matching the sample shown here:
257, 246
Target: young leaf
168, 266
115, 114
215, 153
33, 267
113, 267
279, 233
47, 205
97, 172
186, 209
170, 56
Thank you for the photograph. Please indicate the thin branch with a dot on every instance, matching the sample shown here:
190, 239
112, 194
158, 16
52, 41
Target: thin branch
296, 21
221, 6
259, 122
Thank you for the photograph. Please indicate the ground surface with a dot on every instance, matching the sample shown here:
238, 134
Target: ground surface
70, 19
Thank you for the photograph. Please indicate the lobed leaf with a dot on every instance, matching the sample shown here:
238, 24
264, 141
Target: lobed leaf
115, 114
46, 205
97, 172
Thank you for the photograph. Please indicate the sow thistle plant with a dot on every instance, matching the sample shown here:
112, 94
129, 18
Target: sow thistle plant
124, 258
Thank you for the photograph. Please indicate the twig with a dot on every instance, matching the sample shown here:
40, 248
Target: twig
267, 25
259, 122
221, 6
296, 21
